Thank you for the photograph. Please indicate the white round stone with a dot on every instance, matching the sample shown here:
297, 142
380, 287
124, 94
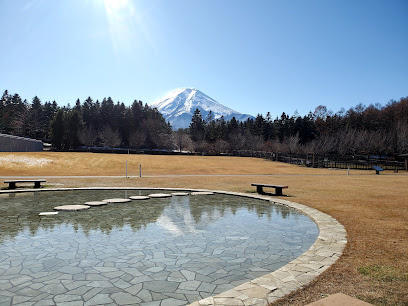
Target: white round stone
48, 213
202, 193
180, 193
159, 195
96, 203
72, 207
139, 198
117, 200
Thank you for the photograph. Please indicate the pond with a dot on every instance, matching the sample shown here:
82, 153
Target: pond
172, 251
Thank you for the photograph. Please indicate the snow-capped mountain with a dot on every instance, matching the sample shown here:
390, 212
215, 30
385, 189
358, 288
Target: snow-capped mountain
178, 107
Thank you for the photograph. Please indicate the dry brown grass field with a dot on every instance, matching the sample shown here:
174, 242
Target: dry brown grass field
372, 208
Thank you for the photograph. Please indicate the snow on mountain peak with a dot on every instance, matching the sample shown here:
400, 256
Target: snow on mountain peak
179, 105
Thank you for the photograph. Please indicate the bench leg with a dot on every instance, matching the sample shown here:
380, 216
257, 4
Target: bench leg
259, 189
278, 191
12, 185
37, 184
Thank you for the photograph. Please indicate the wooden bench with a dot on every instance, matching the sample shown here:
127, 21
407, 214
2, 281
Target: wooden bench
278, 188
12, 183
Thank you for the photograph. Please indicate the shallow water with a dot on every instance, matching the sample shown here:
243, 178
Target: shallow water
173, 250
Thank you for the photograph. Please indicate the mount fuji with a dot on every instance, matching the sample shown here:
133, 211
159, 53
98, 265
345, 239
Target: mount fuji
178, 107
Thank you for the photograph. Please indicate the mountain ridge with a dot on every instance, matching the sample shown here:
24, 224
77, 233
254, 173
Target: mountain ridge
178, 107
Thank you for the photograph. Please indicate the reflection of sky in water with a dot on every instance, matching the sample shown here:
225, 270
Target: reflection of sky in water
223, 240
178, 215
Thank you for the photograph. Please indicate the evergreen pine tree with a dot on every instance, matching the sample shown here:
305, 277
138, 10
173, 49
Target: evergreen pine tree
58, 130
73, 128
197, 127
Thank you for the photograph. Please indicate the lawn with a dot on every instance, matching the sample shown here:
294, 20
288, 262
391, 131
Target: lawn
372, 208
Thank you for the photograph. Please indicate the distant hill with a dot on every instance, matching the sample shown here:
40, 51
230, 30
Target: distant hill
178, 107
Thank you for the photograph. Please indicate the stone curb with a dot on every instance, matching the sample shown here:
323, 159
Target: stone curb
298, 273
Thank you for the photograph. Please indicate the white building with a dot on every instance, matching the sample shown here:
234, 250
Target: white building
10, 143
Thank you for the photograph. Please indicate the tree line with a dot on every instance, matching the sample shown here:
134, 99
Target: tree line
373, 129
90, 123
361, 130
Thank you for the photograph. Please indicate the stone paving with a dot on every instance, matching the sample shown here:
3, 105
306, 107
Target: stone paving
270, 287
181, 264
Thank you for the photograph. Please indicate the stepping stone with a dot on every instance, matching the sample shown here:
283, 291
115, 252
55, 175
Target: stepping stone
117, 200
96, 203
72, 207
180, 193
139, 197
48, 213
159, 195
202, 193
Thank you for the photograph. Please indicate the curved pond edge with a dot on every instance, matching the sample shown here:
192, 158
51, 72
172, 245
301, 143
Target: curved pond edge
326, 250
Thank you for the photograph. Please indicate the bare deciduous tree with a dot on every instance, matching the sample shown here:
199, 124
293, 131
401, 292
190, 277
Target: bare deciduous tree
20, 122
376, 142
293, 143
200, 146
182, 140
220, 146
137, 139
351, 141
274, 146
253, 142
110, 137
236, 141
166, 141
402, 137
325, 144
87, 136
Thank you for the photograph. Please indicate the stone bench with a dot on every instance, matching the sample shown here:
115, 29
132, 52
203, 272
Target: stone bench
278, 188
12, 183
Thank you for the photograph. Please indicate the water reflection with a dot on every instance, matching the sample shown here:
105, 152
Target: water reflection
180, 215
196, 245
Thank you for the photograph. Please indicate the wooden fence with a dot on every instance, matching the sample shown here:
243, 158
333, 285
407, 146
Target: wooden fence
326, 161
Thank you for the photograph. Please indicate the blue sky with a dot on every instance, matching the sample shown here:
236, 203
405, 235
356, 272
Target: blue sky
252, 56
